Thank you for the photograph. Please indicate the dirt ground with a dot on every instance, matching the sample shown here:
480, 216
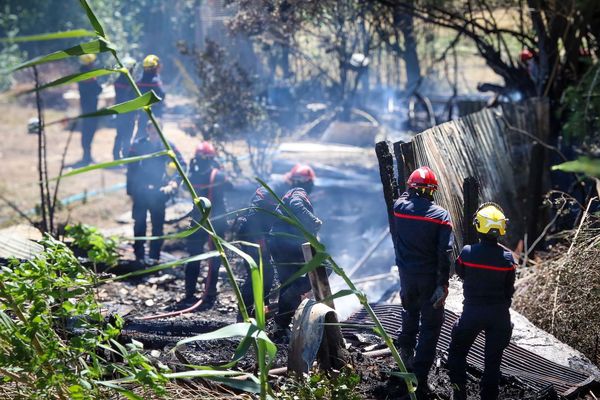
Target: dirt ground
19, 176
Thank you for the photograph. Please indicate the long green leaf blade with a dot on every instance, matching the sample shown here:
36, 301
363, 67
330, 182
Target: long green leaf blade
74, 78
585, 165
111, 164
93, 47
138, 103
317, 260
203, 373
244, 385
229, 331
93, 19
170, 264
50, 36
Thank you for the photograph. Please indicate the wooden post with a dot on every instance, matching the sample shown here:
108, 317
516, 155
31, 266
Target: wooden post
386, 172
470, 205
408, 156
318, 278
332, 353
400, 169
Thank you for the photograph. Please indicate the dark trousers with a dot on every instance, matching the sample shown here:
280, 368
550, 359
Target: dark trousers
494, 320
88, 129
195, 245
268, 273
419, 317
155, 205
125, 124
288, 258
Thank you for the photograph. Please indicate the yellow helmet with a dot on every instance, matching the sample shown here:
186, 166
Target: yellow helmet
171, 168
151, 61
87, 59
490, 220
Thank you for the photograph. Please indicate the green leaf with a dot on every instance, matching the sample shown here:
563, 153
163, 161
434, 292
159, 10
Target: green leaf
95, 46
178, 235
138, 103
338, 294
50, 36
585, 165
309, 266
407, 376
203, 373
92, 17
111, 164
74, 78
229, 331
250, 386
128, 394
171, 264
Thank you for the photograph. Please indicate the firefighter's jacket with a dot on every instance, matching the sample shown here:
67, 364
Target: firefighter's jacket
298, 203
422, 237
89, 90
146, 177
210, 182
123, 90
257, 222
151, 81
488, 273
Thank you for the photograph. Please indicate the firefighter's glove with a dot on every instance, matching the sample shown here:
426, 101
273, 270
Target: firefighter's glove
439, 296
169, 188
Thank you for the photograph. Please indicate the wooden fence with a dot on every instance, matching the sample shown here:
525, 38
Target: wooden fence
499, 148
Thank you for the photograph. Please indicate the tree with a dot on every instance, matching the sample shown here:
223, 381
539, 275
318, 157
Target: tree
228, 105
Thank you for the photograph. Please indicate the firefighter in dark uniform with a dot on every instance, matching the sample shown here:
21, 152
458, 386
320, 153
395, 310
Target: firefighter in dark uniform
125, 123
151, 81
254, 227
285, 244
89, 90
488, 273
210, 182
150, 183
422, 241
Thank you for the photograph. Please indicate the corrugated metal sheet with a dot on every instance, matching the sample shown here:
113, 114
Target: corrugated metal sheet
535, 371
491, 145
18, 242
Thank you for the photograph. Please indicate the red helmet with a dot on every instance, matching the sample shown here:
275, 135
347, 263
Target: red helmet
422, 178
205, 150
300, 173
525, 55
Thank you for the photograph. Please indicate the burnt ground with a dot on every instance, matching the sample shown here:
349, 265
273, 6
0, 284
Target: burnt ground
150, 295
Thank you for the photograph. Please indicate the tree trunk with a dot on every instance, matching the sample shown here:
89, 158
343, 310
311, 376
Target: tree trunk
405, 21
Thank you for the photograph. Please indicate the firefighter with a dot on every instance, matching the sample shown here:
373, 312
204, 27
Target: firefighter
89, 90
422, 241
125, 123
285, 244
210, 182
151, 81
488, 273
150, 183
254, 227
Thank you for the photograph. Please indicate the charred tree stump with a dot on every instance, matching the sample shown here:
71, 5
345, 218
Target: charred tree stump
386, 172
470, 205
